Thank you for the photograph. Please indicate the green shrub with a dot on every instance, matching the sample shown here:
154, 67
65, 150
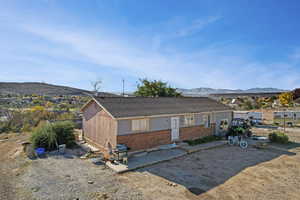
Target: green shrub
44, 137
235, 131
203, 140
49, 136
65, 133
279, 137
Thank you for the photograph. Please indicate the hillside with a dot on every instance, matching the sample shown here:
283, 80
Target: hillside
207, 91
28, 88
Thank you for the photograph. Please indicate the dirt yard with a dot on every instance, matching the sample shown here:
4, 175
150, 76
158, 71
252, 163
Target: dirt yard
220, 173
224, 173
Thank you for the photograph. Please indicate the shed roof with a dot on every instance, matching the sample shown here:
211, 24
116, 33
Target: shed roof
120, 107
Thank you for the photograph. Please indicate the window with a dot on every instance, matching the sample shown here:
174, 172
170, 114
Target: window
224, 124
140, 124
189, 120
206, 120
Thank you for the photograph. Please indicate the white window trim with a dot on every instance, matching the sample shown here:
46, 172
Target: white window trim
207, 120
189, 120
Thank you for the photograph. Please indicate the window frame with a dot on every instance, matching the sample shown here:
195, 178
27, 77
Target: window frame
189, 120
207, 120
139, 127
222, 126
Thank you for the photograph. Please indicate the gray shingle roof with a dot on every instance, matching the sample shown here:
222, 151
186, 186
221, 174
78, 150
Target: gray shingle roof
147, 106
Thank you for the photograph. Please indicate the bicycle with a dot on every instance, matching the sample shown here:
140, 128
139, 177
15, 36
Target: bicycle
232, 140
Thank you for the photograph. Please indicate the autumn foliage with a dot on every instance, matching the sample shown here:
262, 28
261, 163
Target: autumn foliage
286, 98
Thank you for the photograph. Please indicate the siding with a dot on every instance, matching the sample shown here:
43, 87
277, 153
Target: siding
217, 117
157, 123
99, 128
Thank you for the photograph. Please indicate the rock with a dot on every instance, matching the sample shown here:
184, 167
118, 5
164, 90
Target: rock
104, 196
35, 189
90, 182
172, 184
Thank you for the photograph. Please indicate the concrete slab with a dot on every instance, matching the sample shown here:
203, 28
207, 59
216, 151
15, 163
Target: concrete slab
199, 147
87, 147
150, 158
154, 157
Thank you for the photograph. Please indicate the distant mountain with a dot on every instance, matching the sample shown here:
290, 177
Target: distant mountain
207, 91
28, 88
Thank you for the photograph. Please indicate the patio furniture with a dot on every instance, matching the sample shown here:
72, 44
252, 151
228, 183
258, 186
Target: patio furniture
121, 153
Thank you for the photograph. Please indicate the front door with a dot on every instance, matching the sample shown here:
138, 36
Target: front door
174, 128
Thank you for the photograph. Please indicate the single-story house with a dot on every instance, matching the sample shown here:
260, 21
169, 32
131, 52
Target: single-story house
248, 115
145, 122
289, 116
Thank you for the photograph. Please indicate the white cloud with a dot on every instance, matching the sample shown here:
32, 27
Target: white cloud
295, 56
196, 26
210, 67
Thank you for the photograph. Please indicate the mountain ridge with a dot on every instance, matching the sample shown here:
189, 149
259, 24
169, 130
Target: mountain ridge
38, 88
204, 91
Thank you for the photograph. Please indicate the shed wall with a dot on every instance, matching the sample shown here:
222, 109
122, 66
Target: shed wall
99, 128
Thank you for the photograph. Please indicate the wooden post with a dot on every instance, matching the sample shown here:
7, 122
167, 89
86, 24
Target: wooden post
284, 115
123, 91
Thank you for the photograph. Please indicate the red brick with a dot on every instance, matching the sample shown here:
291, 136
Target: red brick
146, 140
140, 141
191, 133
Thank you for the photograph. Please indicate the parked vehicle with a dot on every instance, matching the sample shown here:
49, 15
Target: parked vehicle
255, 118
239, 127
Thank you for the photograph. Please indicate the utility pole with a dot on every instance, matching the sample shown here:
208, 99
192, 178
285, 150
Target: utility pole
284, 116
123, 82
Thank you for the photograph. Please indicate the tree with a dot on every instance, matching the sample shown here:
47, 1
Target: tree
96, 85
248, 105
286, 98
155, 88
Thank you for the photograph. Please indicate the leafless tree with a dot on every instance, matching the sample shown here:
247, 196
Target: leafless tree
96, 85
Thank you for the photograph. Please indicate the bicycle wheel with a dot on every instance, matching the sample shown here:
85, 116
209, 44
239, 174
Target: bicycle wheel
243, 144
231, 141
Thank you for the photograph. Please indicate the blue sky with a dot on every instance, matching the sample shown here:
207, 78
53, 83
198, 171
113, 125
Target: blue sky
196, 43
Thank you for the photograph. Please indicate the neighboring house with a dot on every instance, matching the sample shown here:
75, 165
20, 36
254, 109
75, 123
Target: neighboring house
287, 116
146, 122
296, 93
248, 115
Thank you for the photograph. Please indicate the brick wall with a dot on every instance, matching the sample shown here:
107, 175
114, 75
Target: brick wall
146, 140
139, 141
191, 133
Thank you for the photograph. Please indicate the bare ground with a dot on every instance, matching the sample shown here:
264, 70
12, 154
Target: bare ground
224, 173
12, 164
221, 173
60, 177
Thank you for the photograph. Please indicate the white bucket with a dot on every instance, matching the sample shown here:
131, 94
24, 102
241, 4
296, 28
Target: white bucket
61, 148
